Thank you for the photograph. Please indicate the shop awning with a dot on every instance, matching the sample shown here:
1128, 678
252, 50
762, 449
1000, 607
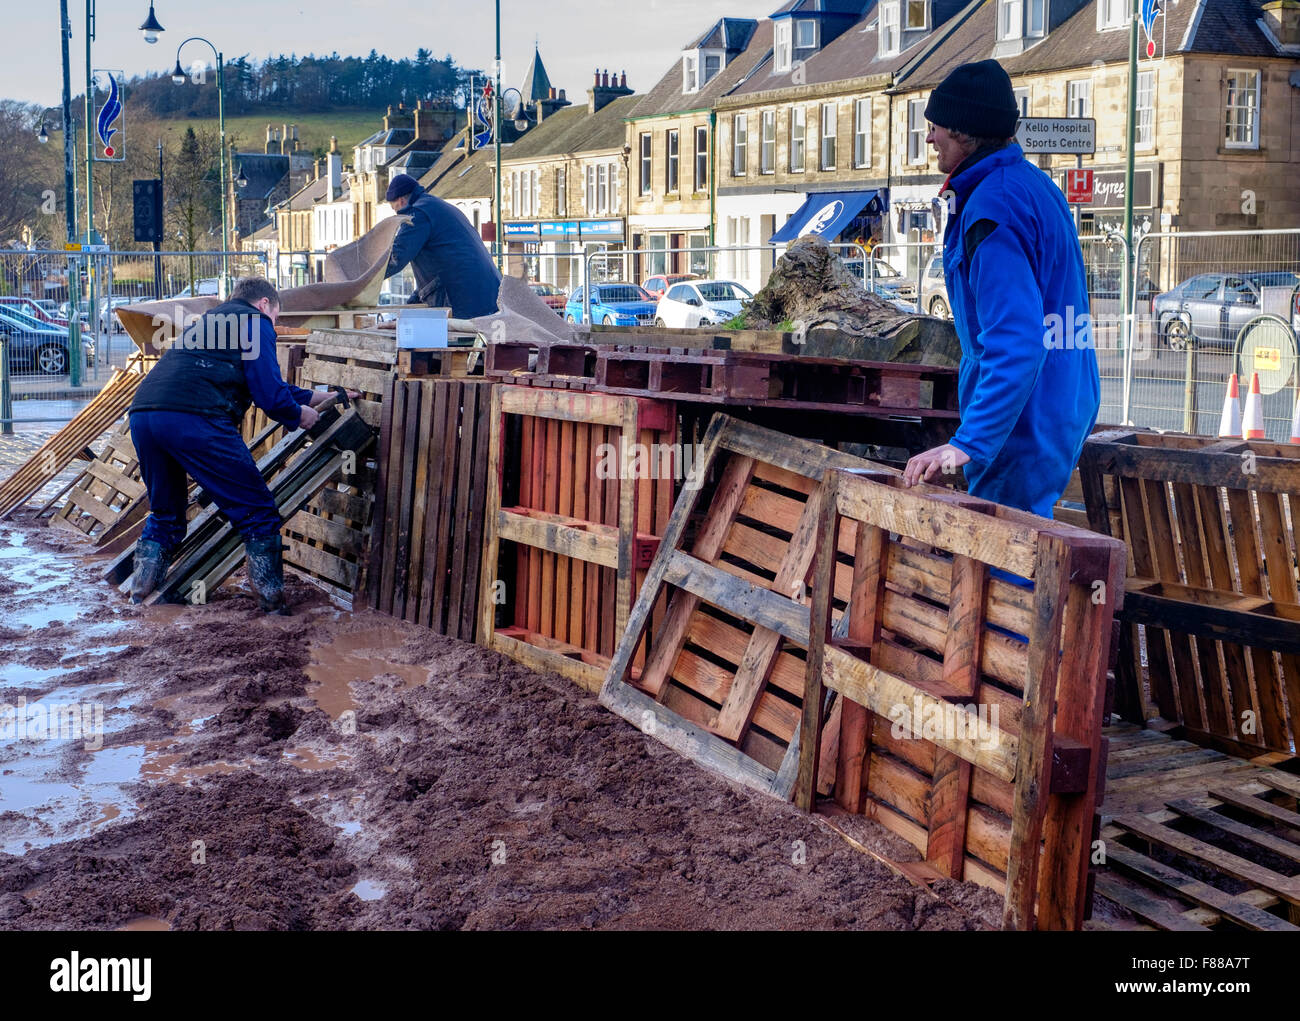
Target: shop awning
827, 213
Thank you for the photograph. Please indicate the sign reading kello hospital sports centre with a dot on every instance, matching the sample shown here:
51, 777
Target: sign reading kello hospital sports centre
1051, 135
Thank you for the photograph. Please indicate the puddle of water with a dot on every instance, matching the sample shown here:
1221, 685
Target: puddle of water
145, 923
368, 889
17, 676
158, 767
308, 760
46, 615
355, 657
350, 827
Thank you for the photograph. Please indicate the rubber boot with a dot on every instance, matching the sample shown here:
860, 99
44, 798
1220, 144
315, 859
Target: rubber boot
266, 573
151, 563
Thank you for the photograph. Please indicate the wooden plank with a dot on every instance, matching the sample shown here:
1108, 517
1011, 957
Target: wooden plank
1145, 906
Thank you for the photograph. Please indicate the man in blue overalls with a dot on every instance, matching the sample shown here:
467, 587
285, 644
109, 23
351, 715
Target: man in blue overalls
185, 419
451, 265
1029, 392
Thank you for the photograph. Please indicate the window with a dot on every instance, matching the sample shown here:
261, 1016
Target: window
602, 189
701, 159
690, 71
712, 68
1112, 14
917, 13
1022, 101
613, 188
670, 178
561, 192
798, 136
1035, 18
1241, 127
767, 152
1145, 135
646, 163
1010, 19
916, 131
739, 145
862, 133
1079, 98
526, 207
828, 136
657, 257
888, 29
782, 58
805, 34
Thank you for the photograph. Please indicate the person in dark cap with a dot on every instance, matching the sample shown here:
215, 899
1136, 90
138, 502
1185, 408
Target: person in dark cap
452, 267
1028, 385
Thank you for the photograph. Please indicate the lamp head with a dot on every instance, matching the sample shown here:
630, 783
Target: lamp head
150, 29
178, 72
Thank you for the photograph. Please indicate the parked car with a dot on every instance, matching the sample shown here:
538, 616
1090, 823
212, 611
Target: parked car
206, 287
552, 295
65, 313
934, 290
107, 306
613, 304
657, 285
700, 303
35, 346
33, 308
1211, 308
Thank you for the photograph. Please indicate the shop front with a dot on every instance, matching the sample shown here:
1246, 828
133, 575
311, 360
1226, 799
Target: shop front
553, 251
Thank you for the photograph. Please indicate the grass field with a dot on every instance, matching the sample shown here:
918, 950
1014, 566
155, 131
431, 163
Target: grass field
314, 129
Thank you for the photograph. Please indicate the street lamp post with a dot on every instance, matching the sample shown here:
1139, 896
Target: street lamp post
496, 137
179, 76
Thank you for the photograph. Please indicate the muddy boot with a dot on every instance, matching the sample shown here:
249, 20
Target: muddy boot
266, 573
151, 563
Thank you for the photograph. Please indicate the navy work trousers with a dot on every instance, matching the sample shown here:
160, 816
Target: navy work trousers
173, 444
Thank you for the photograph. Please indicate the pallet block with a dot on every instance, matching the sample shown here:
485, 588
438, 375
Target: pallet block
1213, 598
579, 520
427, 540
109, 496
723, 678
970, 707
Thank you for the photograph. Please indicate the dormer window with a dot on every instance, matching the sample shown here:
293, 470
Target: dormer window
889, 29
1112, 14
782, 51
699, 67
1021, 19
712, 65
690, 72
918, 14
805, 34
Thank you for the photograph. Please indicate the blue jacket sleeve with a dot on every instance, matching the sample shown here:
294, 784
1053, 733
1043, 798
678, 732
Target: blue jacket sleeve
411, 237
270, 392
1009, 309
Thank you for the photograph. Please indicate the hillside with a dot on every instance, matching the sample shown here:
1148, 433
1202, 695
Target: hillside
248, 131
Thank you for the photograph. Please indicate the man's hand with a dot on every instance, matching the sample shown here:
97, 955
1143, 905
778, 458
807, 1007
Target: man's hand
943, 460
308, 417
320, 397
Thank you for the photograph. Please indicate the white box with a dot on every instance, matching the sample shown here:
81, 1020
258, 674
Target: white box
422, 327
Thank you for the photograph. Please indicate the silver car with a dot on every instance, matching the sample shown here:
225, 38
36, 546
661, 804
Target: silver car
1211, 308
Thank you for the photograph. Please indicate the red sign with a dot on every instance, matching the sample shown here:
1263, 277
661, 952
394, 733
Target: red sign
1078, 186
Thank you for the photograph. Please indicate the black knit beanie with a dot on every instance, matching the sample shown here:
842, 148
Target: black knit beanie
976, 99
402, 184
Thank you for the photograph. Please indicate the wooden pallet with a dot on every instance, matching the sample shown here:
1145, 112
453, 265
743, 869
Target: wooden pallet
109, 496
65, 446
570, 544
427, 541
723, 680
1195, 840
728, 377
947, 676
300, 465
444, 362
328, 539
1214, 599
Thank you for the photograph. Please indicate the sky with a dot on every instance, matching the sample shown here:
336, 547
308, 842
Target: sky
642, 37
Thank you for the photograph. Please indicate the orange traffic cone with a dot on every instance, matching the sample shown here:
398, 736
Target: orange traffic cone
1253, 417
1230, 423
1295, 422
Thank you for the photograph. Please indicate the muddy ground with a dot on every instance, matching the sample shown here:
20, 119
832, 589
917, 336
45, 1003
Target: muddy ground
335, 770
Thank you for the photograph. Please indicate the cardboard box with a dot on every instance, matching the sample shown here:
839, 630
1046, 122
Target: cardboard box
422, 327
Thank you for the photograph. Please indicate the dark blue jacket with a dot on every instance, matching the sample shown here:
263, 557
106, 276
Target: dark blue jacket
1028, 384
219, 366
452, 267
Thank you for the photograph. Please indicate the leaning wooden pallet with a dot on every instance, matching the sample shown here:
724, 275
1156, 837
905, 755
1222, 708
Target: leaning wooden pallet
1209, 524
971, 707
724, 677
59, 451
582, 518
109, 495
427, 540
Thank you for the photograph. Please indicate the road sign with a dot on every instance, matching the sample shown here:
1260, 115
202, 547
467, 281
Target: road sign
109, 121
1078, 186
147, 206
1039, 135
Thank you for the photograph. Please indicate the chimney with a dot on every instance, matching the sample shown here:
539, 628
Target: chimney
272, 141
555, 100
600, 96
424, 126
284, 134
1283, 19
622, 84
334, 143
596, 83
334, 171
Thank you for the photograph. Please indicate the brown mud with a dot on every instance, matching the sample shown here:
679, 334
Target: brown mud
335, 770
